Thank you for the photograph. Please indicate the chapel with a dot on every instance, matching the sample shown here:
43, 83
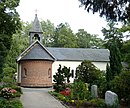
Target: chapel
37, 64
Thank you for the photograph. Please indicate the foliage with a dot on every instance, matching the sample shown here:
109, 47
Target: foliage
48, 32
117, 10
113, 38
86, 40
67, 74
7, 93
108, 76
19, 43
100, 103
60, 78
8, 82
58, 87
112, 34
80, 91
115, 60
64, 37
65, 92
10, 104
17, 88
10, 22
125, 50
87, 72
121, 85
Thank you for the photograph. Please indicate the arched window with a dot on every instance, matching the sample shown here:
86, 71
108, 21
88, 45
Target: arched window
49, 73
24, 72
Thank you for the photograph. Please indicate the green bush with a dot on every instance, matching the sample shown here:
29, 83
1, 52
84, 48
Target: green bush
100, 103
87, 72
58, 87
10, 104
17, 88
8, 93
79, 91
121, 86
11, 92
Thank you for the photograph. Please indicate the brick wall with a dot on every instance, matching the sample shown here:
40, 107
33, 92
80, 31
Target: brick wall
36, 73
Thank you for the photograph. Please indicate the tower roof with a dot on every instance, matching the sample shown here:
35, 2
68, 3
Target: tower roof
36, 27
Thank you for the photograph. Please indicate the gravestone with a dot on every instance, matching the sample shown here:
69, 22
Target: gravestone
94, 91
111, 98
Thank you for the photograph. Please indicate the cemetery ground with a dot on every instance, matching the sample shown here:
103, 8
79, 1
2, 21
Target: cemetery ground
75, 95
78, 95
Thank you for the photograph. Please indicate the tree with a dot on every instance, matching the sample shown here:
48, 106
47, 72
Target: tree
111, 34
125, 50
60, 78
87, 72
64, 37
115, 60
108, 76
116, 10
9, 23
48, 32
121, 86
19, 43
83, 39
67, 73
113, 39
86, 40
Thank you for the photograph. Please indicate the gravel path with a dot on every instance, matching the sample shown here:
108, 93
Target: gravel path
39, 98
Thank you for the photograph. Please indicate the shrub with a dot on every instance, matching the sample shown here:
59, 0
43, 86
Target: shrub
58, 87
65, 92
87, 72
100, 103
17, 88
7, 93
80, 91
8, 82
121, 85
10, 104
61, 77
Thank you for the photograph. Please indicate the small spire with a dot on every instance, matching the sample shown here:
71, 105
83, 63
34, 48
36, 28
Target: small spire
36, 27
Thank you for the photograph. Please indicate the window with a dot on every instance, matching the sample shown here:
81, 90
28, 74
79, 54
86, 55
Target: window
49, 73
25, 73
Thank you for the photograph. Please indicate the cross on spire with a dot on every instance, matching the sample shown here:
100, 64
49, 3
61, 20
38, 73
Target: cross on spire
36, 11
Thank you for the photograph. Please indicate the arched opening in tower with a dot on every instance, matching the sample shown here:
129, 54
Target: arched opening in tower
36, 37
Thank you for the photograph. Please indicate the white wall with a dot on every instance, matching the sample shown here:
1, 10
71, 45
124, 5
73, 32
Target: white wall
73, 65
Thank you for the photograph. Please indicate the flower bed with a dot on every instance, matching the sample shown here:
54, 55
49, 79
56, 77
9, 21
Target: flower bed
8, 97
93, 103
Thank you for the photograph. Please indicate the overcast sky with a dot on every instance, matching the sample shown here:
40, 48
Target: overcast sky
61, 11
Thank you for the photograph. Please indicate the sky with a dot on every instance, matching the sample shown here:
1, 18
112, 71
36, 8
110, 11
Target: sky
61, 11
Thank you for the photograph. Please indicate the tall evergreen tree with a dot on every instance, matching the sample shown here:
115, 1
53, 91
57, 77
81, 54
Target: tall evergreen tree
108, 76
115, 59
113, 38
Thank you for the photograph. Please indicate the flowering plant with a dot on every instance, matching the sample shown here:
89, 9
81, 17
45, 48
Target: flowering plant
66, 92
7, 93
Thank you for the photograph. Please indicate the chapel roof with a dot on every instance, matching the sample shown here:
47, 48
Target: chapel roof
80, 54
37, 51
